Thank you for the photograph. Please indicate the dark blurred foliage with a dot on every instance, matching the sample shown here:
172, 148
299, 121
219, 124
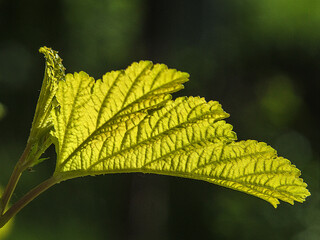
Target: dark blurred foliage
260, 59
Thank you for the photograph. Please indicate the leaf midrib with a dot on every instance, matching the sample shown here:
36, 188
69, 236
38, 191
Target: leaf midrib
201, 117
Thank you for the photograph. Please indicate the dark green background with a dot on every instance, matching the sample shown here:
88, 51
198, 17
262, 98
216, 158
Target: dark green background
260, 59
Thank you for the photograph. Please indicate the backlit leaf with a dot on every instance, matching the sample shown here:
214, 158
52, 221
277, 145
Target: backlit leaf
40, 139
54, 72
127, 122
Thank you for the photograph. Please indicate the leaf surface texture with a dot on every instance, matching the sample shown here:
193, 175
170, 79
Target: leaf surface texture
54, 72
127, 122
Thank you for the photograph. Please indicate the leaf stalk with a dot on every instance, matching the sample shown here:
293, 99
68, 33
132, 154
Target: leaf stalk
14, 178
32, 194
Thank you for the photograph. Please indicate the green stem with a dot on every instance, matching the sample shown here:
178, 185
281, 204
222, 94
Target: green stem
15, 176
32, 194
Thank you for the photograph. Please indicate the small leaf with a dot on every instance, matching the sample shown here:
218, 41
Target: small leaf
107, 127
39, 138
54, 72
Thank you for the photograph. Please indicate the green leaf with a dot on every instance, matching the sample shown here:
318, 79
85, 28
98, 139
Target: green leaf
39, 138
127, 122
54, 72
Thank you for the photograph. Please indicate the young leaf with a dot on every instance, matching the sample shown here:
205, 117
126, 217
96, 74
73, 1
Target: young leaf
54, 72
126, 122
39, 139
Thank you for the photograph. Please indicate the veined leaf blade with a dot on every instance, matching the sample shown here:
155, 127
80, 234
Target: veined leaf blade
88, 107
106, 127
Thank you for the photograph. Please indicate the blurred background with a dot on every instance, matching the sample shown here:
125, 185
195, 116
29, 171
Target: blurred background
259, 59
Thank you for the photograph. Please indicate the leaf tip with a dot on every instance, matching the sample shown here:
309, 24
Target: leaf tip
54, 68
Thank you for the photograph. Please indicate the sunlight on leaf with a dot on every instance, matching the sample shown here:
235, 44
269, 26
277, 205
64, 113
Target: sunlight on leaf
54, 72
40, 139
127, 122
